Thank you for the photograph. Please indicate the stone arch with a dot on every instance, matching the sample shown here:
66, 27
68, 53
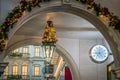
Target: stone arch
61, 51
108, 34
111, 39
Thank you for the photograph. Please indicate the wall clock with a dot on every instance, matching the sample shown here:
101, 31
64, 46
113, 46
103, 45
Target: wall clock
99, 53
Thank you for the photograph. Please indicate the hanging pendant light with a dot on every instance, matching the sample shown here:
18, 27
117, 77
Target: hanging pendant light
49, 41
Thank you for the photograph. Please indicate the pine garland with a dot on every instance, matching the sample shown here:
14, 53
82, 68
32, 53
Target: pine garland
24, 5
13, 17
113, 20
15, 54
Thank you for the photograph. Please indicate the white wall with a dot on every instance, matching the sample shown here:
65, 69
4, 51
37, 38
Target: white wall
6, 7
79, 50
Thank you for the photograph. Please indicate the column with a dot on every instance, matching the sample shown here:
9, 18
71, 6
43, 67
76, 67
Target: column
10, 68
19, 67
30, 70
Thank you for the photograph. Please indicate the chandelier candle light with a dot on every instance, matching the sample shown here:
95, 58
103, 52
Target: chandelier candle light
49, 41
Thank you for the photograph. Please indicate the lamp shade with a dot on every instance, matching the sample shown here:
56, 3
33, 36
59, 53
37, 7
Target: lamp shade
49, 41
48, 50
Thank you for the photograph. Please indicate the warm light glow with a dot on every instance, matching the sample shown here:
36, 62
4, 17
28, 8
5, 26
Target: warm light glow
25, 49
109, 69
24, 69
37, 51
25, 12
49, 35
36, 70
104, 17
55, 60
6, 71
58, 67
15, 69
50, 16
16, 50
101, 16
49, 41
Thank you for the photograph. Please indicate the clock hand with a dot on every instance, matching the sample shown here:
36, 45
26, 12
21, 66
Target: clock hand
100, 53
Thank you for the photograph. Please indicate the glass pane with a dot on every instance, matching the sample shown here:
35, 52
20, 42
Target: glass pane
25, 49
15, 69
24, 70
37, 51
36, 71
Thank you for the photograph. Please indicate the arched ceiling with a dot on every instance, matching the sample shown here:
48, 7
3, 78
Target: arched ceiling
67, 26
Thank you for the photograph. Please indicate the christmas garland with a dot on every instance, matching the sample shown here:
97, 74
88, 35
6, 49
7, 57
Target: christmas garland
24, 5
100, 11
13, 17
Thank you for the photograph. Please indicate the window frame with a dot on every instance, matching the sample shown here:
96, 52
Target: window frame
25, 49
15, 68
37, 51
38, 72
24, 72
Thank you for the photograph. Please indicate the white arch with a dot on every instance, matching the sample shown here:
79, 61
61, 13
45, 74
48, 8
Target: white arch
61, 51
107, 33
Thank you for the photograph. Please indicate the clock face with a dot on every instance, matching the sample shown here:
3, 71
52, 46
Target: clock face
99, 53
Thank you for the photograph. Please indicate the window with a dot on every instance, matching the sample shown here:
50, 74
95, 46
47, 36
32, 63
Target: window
37, 51
25, 50
15, 69
24, 68
16, 50
36, 70
6, 71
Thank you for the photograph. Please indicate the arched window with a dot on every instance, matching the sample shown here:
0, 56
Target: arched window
15, 68
36, 70
24, 68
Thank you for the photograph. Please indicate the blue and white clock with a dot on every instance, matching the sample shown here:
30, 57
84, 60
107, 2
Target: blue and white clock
99, 53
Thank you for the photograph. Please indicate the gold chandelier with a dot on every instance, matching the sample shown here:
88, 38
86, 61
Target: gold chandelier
49, 41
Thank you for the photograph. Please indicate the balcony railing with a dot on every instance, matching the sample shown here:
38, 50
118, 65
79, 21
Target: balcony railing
25, 55
21, 77
15, 77
19, 55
